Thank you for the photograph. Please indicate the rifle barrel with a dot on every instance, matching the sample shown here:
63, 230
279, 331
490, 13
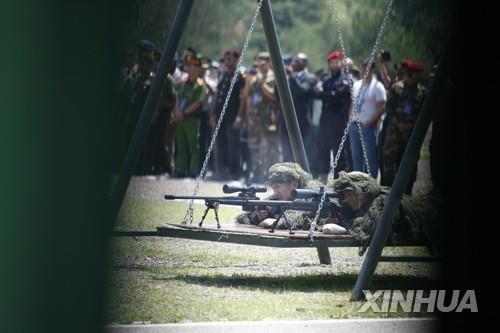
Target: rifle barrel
189, 197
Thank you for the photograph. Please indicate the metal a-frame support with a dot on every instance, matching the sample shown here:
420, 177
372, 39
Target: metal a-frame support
142, 127
291, 122
403, 175
144, 122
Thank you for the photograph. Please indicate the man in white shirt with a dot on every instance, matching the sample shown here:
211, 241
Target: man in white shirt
371, 106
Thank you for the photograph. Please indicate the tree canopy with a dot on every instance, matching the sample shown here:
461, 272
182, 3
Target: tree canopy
416, 29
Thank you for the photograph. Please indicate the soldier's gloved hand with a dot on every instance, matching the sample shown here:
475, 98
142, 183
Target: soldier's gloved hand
262, 214
333, 229
267, 223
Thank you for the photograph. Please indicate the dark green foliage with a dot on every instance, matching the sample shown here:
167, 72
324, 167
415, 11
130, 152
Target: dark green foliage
416, 29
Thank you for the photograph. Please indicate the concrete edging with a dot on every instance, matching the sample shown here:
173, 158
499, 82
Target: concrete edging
399, 325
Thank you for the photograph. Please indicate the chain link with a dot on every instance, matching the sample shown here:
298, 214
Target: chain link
349, 79
200, 177
354, 116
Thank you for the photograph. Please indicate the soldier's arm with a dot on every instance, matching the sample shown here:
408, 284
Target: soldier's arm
350, 110
197, 104
340, 94
193, 107
319, 90
363, 227
213, 112
302, 87
242, 107
268, 91
386, 79
377, 115
381, 98
245, 97
393, 96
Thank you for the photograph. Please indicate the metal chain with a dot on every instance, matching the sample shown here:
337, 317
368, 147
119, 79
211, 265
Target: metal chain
349, 79
200, 177
354, 114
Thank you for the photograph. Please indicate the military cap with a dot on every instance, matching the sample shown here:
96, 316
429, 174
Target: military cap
205, 61
192, 60
414, 66
287, 172
335, 55
262, 58
302, 56
356, 181
233, 53
146, 45
287, 59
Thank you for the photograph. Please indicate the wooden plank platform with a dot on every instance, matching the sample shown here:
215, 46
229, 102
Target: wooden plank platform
253, 235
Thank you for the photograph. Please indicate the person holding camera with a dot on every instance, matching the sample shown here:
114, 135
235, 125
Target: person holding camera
383, 57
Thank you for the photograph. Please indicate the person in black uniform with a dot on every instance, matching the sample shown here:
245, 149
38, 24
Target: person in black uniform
336, 97
302, 84
228, 148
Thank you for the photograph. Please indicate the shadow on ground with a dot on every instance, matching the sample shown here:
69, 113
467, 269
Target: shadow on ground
317, 282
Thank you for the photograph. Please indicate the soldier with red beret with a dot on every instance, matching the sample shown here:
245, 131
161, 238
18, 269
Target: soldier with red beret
405, 99
335, 94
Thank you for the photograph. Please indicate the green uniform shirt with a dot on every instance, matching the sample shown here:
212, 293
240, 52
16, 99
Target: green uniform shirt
190, 93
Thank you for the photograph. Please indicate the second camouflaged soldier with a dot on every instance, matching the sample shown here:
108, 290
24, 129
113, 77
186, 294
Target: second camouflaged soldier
417, 220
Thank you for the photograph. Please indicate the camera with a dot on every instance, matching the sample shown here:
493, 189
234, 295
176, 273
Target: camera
386, 55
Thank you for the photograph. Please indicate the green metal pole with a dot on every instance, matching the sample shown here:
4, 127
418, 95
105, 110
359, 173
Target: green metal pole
403, 174
142, 127
291, 122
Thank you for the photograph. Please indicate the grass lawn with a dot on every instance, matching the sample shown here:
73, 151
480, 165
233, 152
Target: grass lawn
160, 280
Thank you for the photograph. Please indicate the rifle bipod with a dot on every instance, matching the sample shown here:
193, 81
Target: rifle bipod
211, 205
286, 222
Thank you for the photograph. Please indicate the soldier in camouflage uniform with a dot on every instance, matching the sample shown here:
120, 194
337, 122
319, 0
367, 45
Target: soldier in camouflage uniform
403, 105
283, 178
417, 219
261, 120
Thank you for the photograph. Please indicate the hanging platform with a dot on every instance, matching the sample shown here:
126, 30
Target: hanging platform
253, 235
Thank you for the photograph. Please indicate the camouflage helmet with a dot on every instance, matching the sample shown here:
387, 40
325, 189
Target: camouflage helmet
358, 182
287, 172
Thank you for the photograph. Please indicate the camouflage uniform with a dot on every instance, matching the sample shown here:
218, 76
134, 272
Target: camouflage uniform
417, 219
403, 105
263, 139
284, 173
